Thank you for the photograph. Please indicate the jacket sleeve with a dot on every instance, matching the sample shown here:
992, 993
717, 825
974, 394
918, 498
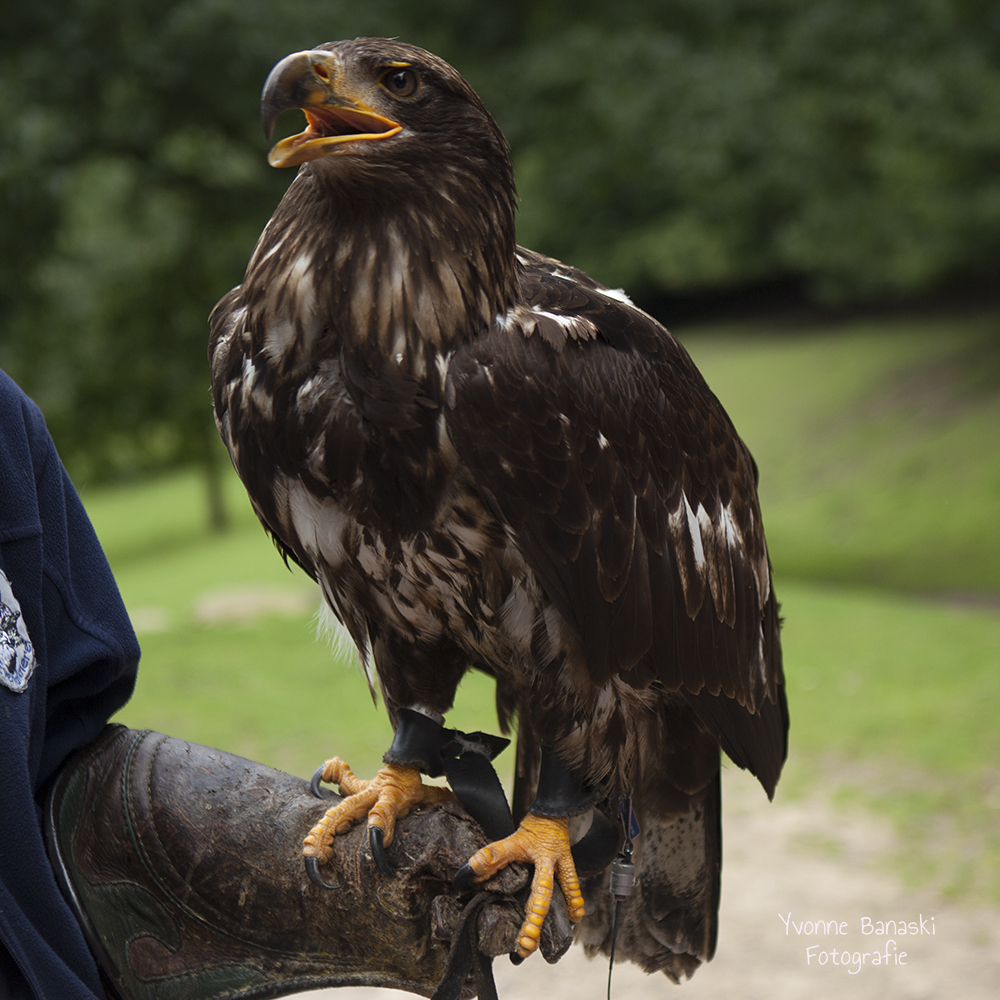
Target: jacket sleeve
68, 659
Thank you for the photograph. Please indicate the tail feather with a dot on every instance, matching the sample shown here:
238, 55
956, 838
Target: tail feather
679, 873
670, 922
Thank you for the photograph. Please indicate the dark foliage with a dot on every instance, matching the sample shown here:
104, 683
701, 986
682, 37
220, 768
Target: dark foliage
850, 148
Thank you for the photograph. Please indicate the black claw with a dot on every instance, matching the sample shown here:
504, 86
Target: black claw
376, 840
515, 959
315, 783
464, 877
312, 870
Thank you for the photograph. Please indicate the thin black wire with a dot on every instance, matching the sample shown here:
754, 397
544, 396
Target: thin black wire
614, 938
626, 816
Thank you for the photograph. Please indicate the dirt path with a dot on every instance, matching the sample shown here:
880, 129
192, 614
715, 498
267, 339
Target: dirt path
775, 866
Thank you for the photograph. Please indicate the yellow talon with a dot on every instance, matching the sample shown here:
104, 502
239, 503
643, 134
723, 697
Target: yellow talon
392, 794
544, 842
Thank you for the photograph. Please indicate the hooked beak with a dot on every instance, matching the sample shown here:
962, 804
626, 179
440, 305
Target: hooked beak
309, 80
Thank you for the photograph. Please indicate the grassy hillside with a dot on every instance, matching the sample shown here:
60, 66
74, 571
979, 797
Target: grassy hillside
878, 446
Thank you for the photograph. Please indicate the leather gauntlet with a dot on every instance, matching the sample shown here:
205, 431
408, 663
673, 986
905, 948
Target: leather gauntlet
184, 866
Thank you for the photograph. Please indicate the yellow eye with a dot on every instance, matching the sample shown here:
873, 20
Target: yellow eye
401, 82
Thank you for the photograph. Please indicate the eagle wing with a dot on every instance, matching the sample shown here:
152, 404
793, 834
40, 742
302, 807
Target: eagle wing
591, 434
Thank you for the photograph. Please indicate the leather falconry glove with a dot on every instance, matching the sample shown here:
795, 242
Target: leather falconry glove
183, 864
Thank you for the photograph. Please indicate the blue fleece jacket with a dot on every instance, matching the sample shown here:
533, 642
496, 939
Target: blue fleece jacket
68, 659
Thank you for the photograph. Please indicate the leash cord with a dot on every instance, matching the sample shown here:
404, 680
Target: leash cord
622, 880
614, 938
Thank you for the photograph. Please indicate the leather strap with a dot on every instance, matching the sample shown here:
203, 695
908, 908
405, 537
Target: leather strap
475, 783
463, 758
559, 793
465, 956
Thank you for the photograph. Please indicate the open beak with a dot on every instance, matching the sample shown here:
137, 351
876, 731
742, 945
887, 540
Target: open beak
308, 80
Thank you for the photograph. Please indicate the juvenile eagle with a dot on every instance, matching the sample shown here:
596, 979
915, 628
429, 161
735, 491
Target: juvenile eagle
490, 461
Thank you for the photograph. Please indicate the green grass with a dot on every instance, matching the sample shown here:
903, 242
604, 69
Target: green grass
879, 469
878, 447
270, 690
894, 704
901, 680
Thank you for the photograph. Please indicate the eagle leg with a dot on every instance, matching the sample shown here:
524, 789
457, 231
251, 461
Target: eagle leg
542, 839
392, 794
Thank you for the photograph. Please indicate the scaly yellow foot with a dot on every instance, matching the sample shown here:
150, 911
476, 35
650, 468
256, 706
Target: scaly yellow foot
543, 842
392, 794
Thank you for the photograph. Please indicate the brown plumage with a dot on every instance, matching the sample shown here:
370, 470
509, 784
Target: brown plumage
490, 461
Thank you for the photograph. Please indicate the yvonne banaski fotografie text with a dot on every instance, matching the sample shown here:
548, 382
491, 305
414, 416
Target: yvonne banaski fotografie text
882, 933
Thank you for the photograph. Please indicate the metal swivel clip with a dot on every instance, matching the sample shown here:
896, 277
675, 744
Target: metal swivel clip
623, 877
622, 874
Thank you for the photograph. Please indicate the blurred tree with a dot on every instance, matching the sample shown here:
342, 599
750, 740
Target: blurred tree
665, 146
694, 144
132, 189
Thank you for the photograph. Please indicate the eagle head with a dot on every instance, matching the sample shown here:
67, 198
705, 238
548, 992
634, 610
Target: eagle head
383, 101
402, 161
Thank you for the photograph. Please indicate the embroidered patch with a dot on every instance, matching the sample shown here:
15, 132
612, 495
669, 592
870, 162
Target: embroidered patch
17, 658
